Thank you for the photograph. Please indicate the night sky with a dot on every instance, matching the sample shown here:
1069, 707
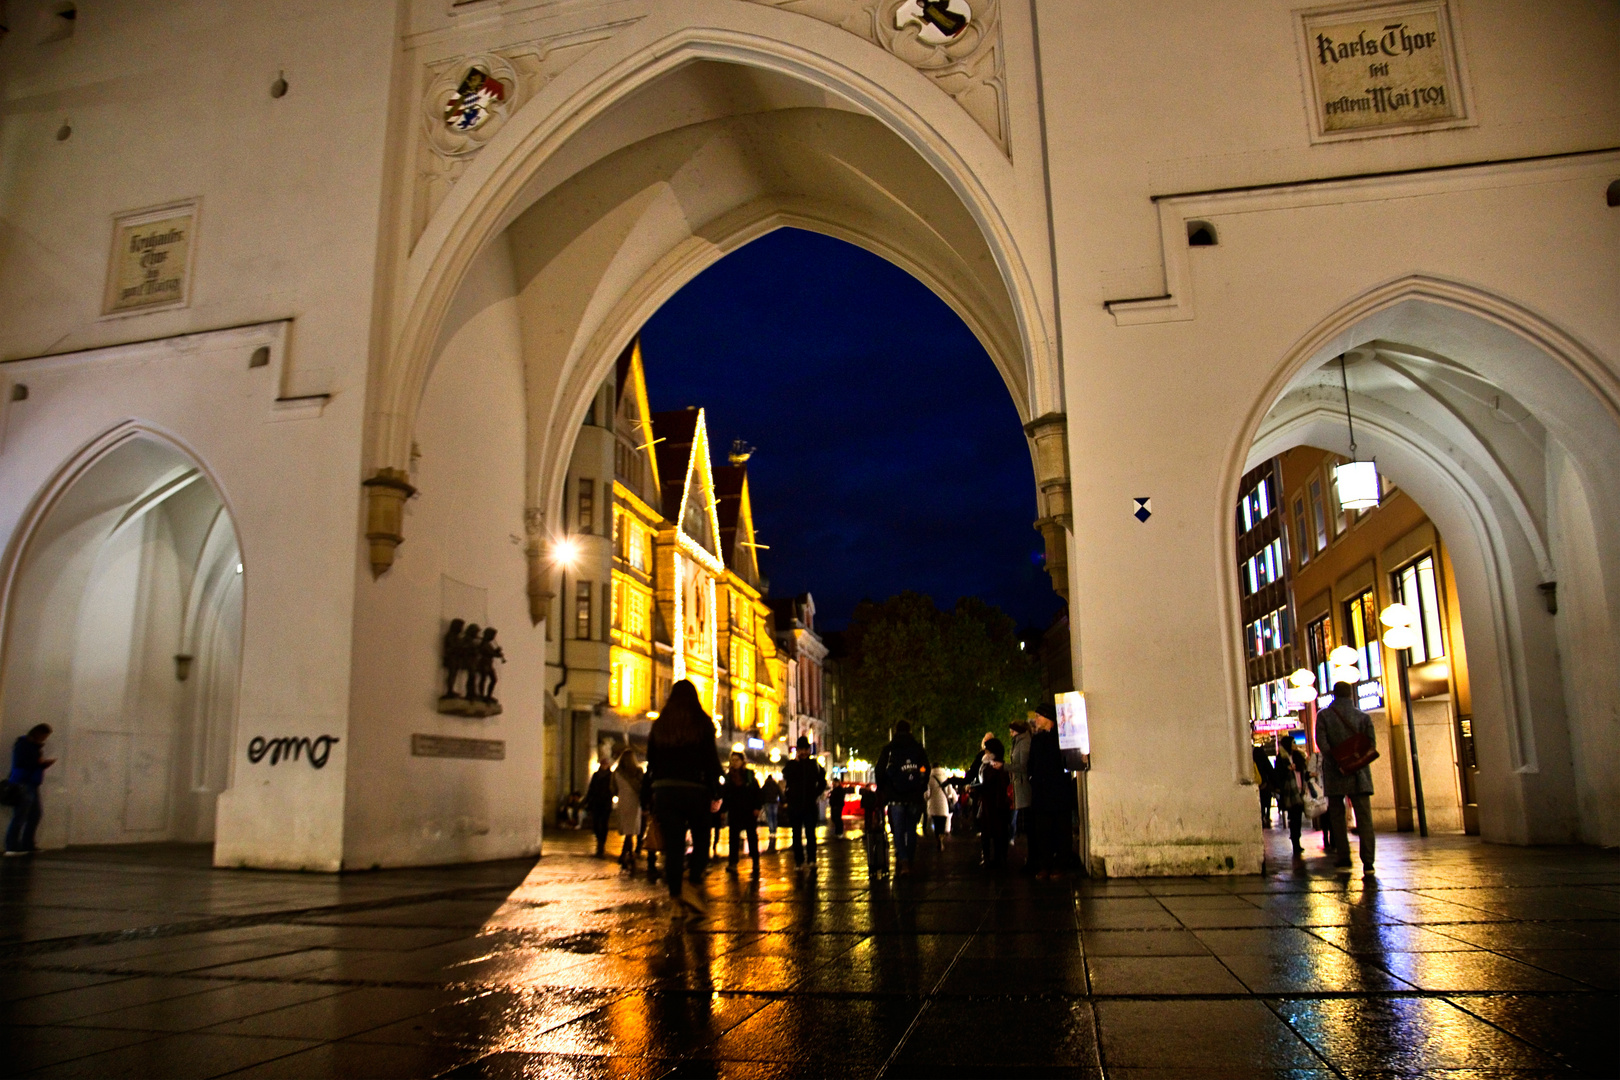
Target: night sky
888, 453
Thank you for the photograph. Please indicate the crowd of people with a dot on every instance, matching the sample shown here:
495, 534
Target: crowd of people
678, 806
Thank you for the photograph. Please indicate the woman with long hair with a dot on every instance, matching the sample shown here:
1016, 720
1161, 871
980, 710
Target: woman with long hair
627, 812
684, 770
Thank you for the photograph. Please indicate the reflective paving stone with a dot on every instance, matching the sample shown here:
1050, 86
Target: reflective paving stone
564, 967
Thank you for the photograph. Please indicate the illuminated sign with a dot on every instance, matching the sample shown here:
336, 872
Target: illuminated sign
756, 744
1073, 731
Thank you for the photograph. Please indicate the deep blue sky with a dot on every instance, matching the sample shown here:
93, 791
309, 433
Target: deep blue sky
888, 452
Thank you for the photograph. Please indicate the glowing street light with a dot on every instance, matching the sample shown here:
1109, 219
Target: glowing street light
1400, 635
1301, 687
565, 552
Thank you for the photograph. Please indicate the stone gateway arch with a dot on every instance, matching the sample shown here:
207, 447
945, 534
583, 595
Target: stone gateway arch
378, 333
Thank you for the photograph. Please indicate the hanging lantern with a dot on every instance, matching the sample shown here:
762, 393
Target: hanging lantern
1357, 484
1355, 481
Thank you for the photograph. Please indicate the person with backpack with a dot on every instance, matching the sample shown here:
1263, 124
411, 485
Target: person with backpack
741, 799
995, 805
1336, 725
804, 780
902, 776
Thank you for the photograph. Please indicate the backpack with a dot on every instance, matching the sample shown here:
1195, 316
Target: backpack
907, 781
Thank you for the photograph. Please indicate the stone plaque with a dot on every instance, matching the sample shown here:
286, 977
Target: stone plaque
446, 746
151, 259
1381, 70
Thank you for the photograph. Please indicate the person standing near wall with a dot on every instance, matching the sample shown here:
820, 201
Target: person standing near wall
28, 765
1266, 776
804, 780
684, 774
1335, 725
1018, 762
835, 805
1051, 799
995, 805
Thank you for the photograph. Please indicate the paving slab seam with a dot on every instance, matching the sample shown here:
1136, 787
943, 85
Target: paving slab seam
929, 998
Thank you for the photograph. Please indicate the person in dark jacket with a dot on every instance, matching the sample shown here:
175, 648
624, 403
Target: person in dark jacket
835, 807
683, 772
599, 801
1293, 784
28, 765
803, 780
1334, 724
995, 805
902, 779
1051, 794
1267, 777
741, 797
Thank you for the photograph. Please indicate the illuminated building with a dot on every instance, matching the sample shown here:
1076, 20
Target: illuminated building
1314, 576
675, 568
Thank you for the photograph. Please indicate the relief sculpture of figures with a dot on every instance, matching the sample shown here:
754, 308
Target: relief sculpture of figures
471, 650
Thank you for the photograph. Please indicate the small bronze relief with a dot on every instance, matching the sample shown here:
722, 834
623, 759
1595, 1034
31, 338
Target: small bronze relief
468, 659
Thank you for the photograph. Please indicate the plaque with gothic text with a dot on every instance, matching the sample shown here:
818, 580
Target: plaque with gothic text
1383, 70
151, 259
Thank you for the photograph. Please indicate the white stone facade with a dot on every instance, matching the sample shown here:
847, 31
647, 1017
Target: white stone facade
439, 311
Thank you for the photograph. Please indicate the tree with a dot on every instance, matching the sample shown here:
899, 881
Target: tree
954, 675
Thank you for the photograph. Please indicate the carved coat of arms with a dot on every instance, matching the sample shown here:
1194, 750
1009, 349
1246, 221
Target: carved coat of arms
475, 97
467, 102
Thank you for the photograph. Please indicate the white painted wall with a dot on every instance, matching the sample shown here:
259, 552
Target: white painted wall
466, 526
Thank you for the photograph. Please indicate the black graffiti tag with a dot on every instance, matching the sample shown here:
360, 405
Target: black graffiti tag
315, 750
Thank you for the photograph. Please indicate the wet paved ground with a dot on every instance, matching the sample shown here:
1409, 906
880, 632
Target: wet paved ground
1465, 960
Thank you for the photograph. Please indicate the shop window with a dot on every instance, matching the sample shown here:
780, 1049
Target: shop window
582, 611
1319, 515
1415, 586
587, 506
1361, 634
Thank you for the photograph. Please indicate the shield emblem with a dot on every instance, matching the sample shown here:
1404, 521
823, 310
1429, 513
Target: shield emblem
938, 21
471, 105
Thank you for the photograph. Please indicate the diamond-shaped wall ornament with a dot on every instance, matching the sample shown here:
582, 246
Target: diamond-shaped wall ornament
1144, 509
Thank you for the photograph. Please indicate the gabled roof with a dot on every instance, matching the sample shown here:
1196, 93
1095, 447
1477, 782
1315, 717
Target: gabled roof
683, 452
634, 419
736, 521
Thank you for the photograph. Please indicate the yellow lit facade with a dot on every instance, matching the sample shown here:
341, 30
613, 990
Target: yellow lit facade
685, 600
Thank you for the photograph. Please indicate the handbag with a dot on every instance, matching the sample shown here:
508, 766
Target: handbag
654, 839
1354, 753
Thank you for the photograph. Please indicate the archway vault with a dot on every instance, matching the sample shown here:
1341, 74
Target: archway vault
1505, 430
672, 145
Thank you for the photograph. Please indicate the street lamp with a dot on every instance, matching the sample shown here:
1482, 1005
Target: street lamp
1400, 635
1344, 666
1356, 482
564, 554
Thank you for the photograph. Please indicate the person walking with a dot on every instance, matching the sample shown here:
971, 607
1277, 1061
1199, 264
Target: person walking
902, 777
1051, 792
741, 797
1267, 777
627, 777
1336, 725
939, 805
1018, 763
1292, 777
685, 778
28, 765
835, 804
803, 781
995, 805
599, 802
770, 797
